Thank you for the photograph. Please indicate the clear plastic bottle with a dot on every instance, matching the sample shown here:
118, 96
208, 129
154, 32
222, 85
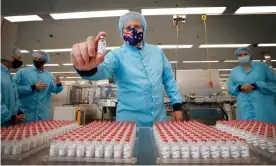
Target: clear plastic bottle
80, 148
271, 145
118, 149
108, 149
185, 149
90, 148
99, 149
234, 149
9, 146
214, 148
224, 149
54, 148
255, 140
102, 45
195, 149
72, 148
262, 142
175, 151
204, 149
244, 149
33, 141
62, 149
17, 147
165, 149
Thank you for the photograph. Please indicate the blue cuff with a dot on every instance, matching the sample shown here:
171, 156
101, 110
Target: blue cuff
177, 107
254, 86
239, 88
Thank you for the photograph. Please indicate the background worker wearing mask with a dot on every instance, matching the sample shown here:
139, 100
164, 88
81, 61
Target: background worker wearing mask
35, 85
11, 110
140, 71
254, 84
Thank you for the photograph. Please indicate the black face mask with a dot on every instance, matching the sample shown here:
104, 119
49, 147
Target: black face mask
38, 64
16, 63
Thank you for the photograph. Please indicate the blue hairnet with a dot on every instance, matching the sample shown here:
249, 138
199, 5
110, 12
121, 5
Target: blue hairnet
42, 54
16, 51
132, 16
239, 50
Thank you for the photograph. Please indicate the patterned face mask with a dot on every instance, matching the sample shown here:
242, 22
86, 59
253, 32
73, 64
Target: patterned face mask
133, 37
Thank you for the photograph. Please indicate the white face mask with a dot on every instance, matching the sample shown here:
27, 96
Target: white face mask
245, 59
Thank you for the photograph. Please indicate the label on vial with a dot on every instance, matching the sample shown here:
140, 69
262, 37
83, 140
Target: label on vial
255, 141
62, 151
89, 151
271, 146
195, 152
248, 138
234, 151
16, 149
101, 47
262, 143
99, 151
214, 152
175, 152
205, 152
244, 151
53, 150
118, 150
185, 151
224, 151
165, 151
71, 151
127, 151
108, 151
80, 151
7, 149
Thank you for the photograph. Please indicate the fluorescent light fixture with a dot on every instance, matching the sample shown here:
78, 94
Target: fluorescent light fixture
188, 10
231, 61
223, 45
267, 45
273, 60
110, 48
224, 69
12, 73
63, 72
24, 51
256, 60
73, 77
200, 61
29, 65
61, 77
256, 10
267, 57
173, 61
191, 70
56, 50
225, 75
44, 65
174, 46
89, 14
67, 64
23, 18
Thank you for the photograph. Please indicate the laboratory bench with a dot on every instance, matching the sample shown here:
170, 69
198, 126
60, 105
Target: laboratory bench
145, 153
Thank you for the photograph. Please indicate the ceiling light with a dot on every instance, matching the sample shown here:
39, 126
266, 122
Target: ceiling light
189, 10
231, 61
267, 45
224, 69
61, 77
191, 70
267, 57
56, 50
64, 72
200, 61
89, 14
256, 10
73, 77
67, 64
110, 48
24, 51
23, 18
174, 46
29, 65
256, 60
44, 65
223, 45
173, 61
225, 75
12, 73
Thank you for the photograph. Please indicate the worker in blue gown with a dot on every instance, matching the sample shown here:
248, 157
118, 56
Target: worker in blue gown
35, 85
11, 109
140, 71
254, 84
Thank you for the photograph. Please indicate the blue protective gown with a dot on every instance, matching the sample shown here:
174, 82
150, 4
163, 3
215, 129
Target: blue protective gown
37, 103
258, 104
140, 76
10, 104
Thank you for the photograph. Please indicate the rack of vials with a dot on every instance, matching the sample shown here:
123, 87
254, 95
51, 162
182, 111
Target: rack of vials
20, 141
193, 142
96, 142
260, 136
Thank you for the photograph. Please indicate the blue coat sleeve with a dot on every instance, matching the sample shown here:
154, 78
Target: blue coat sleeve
232, 88
54, 88
169, 82
106, 69
5, 112
267, 87
21, 89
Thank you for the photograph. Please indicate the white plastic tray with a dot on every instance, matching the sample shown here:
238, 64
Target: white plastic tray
24, 155
262, 152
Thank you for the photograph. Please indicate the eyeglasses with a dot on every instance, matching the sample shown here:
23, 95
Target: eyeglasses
137, 27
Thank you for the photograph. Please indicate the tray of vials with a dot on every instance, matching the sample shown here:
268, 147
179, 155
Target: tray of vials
21, 141
193, 142
260, 136
100, 142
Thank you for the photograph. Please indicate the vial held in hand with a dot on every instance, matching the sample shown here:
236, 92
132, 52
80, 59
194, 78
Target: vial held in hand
102, 45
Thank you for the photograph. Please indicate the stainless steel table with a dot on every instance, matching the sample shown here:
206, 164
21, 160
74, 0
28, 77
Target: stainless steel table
146, 154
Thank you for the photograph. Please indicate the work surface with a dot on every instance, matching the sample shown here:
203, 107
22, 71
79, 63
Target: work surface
146, 154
